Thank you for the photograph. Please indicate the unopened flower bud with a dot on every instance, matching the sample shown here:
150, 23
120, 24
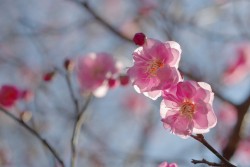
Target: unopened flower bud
139, 39
124, 80
49, 76
25, 116
112, 83
69, 65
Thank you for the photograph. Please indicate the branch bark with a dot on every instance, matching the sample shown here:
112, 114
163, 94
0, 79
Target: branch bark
234, 138
77, 131
201, 139
34, 133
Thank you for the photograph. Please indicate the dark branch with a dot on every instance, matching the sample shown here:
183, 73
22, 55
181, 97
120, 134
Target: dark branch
203, 161
34, 133
234, 138
201, 139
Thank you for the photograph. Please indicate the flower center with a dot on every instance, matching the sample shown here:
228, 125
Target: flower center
154, 66
187, 109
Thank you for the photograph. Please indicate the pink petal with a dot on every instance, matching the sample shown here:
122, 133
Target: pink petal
200, 121
166, 111
182, 126
176, 52
185, 90
168, 77
201, 107
153, 94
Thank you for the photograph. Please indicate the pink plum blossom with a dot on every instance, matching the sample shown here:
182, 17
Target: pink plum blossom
165, 164
155, 67
93, 72
239, 67
187, 108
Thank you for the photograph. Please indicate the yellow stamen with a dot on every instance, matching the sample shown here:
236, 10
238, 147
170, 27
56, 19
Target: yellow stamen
187, 109
154, 66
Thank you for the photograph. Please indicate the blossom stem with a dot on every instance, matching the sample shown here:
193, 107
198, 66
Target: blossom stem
34, 133
77, 130
201, 139
203, 161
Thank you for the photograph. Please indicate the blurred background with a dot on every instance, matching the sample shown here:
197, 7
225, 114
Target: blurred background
122, 128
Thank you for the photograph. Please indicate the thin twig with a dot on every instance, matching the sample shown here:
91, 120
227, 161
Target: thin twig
74, 99
201, 139
34, 133
104, 22
203, 161
77, 131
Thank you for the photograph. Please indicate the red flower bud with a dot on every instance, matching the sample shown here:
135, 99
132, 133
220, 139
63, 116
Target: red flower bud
139, 39
112, 83
8, 95
49, 76
124, 80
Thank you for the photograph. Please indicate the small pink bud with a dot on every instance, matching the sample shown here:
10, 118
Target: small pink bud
124, 80
112, 83
139, 39
49, 76
27, 95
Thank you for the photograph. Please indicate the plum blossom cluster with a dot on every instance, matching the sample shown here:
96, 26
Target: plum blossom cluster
186, 107
98, 72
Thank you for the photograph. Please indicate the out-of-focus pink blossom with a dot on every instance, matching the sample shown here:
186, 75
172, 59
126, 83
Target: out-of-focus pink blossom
147, 6
155, 67
135, 103
187, 108
165, 164
227, 115
9, 95
93, 71
243, 152
239, 68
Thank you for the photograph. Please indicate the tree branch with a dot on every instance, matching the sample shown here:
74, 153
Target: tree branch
203, 161
74, 99
34, 133
77, 131
201, 139
234, 138
104, 22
